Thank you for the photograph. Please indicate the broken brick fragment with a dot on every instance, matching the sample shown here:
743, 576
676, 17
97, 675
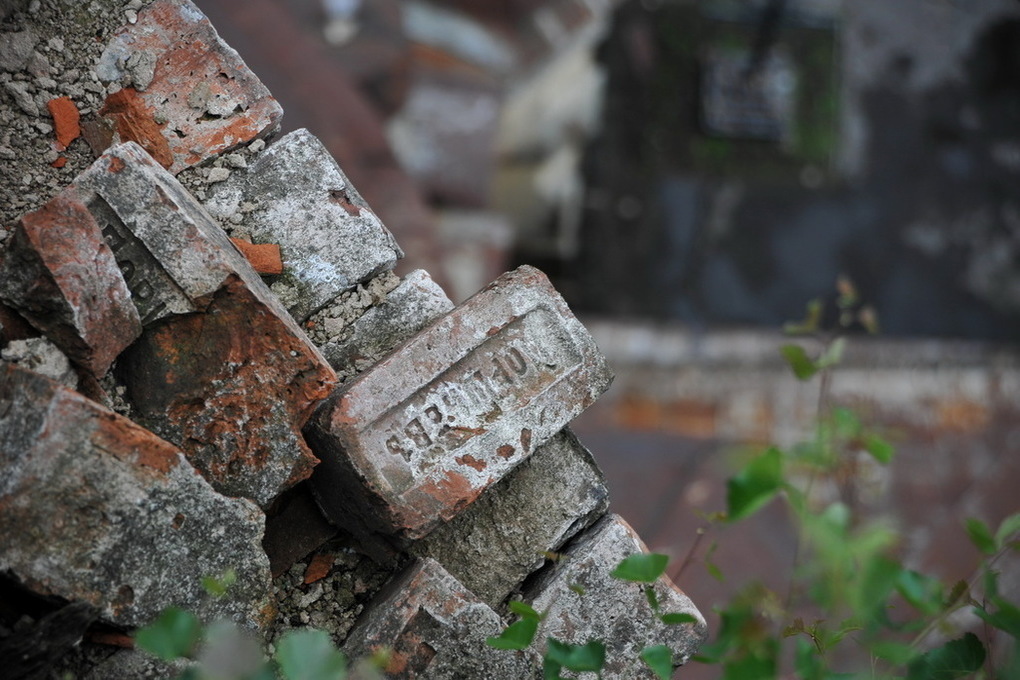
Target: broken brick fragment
318, 568
61, 276
133, 121
264, 257
65, 121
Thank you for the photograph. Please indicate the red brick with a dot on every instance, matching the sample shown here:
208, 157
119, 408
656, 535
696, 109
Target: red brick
222, 370
63, 278
92, 507
416, 438
210, 100
134, 121
65, 120
263, 257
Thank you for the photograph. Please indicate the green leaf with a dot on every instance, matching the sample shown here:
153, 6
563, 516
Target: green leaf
217, 587
677, 618
881, 576
810, 324
172, 636
755, 485
517, 635
807, 662
833, 354
954, 659
309, 654
803, 367
522, 609
653, 599
1007, 528
879, 448
980, 535
579, 658
1006, 617
923, 592
898, 653
641, 568
660, 659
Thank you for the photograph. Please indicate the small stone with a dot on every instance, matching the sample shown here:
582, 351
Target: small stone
235, 160
257, 145
22, 96
16, 49
131, 16
43, 357
218, 175
56, 44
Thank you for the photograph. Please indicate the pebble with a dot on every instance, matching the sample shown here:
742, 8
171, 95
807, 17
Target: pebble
21, 95
257, 145
131, 16
218, 175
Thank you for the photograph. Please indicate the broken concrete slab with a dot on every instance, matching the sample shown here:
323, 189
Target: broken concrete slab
43, 357
222, 370
608, 609
62, 277
412, 305
299, 198
96, 509
194, 86
419, 436
435, 628
509, 532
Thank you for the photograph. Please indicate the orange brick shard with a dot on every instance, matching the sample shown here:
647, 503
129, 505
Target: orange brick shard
65, 120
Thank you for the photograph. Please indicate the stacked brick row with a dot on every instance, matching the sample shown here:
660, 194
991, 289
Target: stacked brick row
434, 435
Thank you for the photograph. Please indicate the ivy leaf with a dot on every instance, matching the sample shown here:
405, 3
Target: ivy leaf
217, 587
309, 654
660, 659
921, 591
579, 658
1005, 618
954, 659
172, 636
641, 568
803, 367
1009, 526
880, 449
677, 618
755, 485
524, 610
980, 535
518, 635
653, 599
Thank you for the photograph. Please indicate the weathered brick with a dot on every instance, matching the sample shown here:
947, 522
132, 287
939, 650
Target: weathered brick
419, 436
222, 370
435, 628
412, 305
299, 198
194, 86
614, 611
506, 534
97, 509
62, 277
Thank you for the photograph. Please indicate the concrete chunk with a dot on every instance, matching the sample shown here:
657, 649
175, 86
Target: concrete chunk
423, 433
329, 238
196, 87
505, 535
412, 305
97, 509
609, 609
222, 370
436, 630
60, 275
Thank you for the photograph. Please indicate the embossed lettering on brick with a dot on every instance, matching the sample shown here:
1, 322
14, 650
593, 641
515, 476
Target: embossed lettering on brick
421, 434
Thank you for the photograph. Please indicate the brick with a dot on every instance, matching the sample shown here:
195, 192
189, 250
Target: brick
614, 611
435, 629
418, 437
96, 509
198, 90
507, 533
412, 305
222, 370
264, 258
63, 278
329, 237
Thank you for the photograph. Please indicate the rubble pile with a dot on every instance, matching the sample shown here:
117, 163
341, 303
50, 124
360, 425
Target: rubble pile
179, 402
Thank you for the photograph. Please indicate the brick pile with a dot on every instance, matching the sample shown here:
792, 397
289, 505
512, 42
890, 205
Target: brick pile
220, 408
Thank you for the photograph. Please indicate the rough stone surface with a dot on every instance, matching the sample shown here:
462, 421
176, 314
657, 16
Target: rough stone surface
60, 275
190, 79
329, 238
611, 610
424, 432
96, 509
222, 370
408, 308
507, 533
436, 629
43, 357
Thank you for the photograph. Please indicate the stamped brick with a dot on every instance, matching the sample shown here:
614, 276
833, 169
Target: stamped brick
196, 88
222, 370
61, 276
415, 439
298, 197
608, 609
507, 534
94, 508
436, 629
413, 304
